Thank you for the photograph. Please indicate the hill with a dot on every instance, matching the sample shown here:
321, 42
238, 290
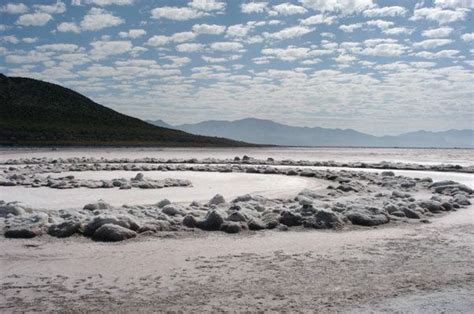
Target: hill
34, 112
269, 132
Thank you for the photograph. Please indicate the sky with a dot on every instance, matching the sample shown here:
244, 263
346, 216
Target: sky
377, 66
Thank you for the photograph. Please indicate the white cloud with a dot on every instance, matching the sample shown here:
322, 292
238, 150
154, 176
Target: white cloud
34, 19
161, 40
68, 27
288, 54
133, 33
288, 9
455, 4
102, 49
439, 15
30, 40
351, 27
104, 3
380, 24
386, 11
190, 47
182, 37
213, 60
14, 8
207, 5
319, 19
158, 40
254, 7
211, 29
438, 55
467, 37
239, 30
176, 13
30, 57
437, 32
58, 47
10, 39
344, 58
57, 8
432, 43
398, 31
290, 32
343, 6
97, 19
226, 46
384, 50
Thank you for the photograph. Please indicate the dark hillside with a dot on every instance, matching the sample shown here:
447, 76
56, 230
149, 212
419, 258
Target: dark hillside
34, 112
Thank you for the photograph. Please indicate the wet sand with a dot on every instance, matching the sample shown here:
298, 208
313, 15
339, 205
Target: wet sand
404, 267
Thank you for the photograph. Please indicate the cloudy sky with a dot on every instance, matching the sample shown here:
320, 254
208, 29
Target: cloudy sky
378, 66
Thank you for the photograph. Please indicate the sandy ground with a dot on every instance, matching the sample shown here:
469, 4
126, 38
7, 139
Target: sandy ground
408, 267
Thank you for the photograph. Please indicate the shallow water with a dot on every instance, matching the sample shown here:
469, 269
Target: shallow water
464, 157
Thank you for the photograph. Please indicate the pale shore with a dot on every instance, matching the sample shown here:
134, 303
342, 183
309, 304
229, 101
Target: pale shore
412, 268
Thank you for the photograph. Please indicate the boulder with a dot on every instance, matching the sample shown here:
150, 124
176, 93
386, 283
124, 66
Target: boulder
212, 221
217, 200
256, 224
189, 221
271, 220
172, 210
65, 229
462, 200
231, 227
14, 209
100, 204
120, 220
22, 232
324, 219
113, 233
139, 177
163, 203
369, 216
433, 206
236, 216
388, 174
290, 219
410, 213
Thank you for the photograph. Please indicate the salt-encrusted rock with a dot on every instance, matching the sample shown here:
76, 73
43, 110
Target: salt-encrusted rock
271, 220
236, 216
23, 232
242, 198
13, 208
256, 224
447, 206
163, 203
139, 177
369, 216
290, 219
324, 219
433, 206
100, 204
172, 210
217, 200
462, 200
212, 221
410, 213
120, 220
65, 229
113, 233
408, 184
453, 187
443, 183
388, 174
231, 227
189, 221
347, 188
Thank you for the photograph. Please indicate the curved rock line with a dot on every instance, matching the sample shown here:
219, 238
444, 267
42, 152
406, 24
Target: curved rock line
245, 160
351, 198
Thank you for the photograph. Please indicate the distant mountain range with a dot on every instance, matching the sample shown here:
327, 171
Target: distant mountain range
268, 132
34, 112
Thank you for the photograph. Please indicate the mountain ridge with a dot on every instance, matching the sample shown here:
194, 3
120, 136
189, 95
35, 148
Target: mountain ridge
264, 131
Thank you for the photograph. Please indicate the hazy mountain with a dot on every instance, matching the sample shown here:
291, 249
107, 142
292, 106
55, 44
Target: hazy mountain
269, 132
34, 112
